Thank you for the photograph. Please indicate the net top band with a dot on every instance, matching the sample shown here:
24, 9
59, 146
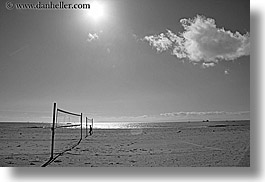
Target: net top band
67, 112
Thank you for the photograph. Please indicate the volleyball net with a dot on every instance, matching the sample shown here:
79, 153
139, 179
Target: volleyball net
66, 131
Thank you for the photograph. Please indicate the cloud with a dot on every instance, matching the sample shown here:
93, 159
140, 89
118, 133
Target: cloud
207, 113
135, 37
207, 65
227, 72
202, 42
160, 42
92, 37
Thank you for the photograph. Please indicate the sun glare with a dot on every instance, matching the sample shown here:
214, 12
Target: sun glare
96, 11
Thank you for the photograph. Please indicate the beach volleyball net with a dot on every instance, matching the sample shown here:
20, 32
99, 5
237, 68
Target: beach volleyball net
67, 131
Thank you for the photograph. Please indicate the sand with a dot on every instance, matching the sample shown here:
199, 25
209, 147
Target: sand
195, 144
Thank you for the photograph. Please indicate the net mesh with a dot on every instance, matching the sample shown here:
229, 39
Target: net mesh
67, 131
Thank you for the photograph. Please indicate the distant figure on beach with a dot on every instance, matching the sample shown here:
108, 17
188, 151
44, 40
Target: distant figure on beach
90, 130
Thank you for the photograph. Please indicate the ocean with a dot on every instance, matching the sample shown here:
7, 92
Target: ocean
127, 125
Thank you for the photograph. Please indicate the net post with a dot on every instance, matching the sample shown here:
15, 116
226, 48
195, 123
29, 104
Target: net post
81, 126
53, 128
86, 127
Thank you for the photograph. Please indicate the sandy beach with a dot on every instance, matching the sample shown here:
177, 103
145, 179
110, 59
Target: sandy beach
194, 144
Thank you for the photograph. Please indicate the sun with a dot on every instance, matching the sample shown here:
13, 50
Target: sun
97, 11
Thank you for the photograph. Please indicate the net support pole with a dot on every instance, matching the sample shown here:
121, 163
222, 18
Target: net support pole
53, 128
81, 126
86, 127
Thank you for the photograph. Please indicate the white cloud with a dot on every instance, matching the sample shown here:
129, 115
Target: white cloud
206, 113
207, 65
227, 71
135, 37
92, 37
160, 42
202, 42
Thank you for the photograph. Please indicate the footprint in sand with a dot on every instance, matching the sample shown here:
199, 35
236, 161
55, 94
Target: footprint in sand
9, 157
57, 161
133, 150
34, 161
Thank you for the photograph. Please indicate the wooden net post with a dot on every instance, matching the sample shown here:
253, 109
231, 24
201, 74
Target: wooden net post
86, 128
81, 126
53, 128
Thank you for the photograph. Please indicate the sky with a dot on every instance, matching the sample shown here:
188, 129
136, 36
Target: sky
145, 60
